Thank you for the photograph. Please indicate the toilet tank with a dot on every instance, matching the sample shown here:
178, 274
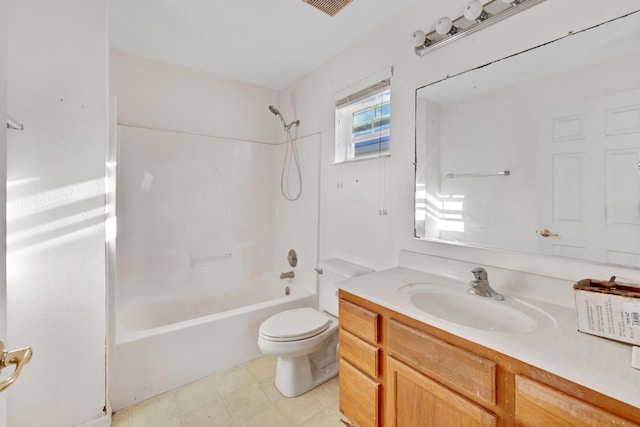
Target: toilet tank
335, 270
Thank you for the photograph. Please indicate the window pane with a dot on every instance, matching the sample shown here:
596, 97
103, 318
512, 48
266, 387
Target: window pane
363, 127
363, 116
383, 110
383, 123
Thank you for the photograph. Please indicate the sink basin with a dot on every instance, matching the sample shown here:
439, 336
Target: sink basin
453, 303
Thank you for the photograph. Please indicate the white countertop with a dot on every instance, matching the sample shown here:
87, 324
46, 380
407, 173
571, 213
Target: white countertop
594, 362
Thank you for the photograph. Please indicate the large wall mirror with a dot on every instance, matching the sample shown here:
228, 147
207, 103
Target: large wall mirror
538, 152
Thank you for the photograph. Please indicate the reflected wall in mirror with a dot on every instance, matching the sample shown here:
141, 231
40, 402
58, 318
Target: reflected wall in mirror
538, 152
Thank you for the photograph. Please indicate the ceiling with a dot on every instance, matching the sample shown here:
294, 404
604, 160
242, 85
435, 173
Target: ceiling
270, 43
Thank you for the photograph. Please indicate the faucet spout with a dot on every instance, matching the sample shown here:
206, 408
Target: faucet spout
480, 285
287, 275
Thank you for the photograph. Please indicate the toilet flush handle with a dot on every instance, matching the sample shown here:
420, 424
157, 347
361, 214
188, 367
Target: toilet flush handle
318, 270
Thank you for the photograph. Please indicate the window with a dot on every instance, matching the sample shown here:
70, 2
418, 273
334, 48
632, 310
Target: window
363, 123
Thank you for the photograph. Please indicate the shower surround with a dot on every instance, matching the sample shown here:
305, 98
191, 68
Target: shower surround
197, 265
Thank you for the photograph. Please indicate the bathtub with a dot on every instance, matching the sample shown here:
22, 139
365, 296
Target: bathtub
161, 345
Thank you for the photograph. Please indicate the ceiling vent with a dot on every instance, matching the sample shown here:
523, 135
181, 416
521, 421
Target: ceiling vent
330, 7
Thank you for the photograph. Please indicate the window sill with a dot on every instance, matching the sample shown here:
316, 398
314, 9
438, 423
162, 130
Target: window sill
362, 159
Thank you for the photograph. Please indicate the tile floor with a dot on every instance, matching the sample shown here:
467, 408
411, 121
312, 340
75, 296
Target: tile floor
242, 396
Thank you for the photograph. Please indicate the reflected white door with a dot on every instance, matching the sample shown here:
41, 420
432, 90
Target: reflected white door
588, 169
11, 362
3, 307
3, 203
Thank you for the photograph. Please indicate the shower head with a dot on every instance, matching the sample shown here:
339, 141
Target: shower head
275, 111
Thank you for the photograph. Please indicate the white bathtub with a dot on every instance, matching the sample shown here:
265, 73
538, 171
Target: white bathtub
164, 344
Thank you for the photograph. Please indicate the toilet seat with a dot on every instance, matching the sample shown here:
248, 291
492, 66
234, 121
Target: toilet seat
294, 325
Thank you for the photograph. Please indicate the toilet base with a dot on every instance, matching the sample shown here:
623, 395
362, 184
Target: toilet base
297, 375
300, 374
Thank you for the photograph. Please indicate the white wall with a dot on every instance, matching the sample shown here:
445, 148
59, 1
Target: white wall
57, 86
195, 214
156, 94
350, 224
207, 141
160, 95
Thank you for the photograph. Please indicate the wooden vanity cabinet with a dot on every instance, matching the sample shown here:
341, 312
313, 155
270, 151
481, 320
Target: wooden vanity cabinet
417, 400
360, 383
433, 383
397, 371
538, 404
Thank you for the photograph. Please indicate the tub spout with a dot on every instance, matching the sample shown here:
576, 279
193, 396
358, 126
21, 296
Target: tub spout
287, 275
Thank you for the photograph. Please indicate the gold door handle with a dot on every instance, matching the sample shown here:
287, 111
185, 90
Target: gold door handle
18, 357
546, 233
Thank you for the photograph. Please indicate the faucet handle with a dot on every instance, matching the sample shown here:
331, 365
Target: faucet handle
480, 273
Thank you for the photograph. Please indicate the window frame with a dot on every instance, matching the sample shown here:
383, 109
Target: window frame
353, 145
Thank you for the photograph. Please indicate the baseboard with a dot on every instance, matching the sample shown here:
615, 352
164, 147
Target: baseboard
103, 421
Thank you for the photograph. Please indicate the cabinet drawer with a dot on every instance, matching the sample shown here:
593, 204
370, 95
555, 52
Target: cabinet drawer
360, 353
359, 396
458, 369
359, 321
538, 404
417, 400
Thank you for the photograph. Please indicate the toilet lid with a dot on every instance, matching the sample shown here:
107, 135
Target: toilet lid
296, 324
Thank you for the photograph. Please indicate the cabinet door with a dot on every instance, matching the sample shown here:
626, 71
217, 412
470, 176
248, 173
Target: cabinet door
359, 396
417, 400
540, 405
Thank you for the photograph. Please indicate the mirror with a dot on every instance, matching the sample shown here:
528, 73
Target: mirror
538, 152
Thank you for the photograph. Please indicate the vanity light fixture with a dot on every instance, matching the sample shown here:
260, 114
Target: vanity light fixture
474, 11
445, 27
420, 39
475, 16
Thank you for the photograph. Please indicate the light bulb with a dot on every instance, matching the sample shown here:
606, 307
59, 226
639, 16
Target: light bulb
419, 38
444, 26
474, 11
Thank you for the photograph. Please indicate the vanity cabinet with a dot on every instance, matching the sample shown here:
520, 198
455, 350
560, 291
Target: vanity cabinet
417, 400
433, 383
360, 385
397, 371
538, 404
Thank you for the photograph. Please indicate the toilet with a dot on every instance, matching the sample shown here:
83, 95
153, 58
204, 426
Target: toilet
305, 339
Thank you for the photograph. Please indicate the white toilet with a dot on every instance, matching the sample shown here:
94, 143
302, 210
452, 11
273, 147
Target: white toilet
305, 339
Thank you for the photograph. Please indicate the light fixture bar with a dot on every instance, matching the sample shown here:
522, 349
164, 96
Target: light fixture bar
510, 10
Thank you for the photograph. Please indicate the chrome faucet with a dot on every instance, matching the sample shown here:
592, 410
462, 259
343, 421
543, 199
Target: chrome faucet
287, 275
480, 285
